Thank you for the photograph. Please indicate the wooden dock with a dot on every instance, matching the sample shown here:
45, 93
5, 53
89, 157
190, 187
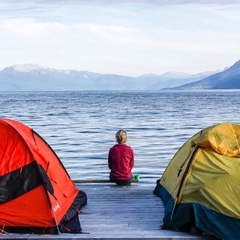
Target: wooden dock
114, 212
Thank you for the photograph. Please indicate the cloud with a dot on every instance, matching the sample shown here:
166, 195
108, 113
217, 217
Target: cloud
129, 37
38, 8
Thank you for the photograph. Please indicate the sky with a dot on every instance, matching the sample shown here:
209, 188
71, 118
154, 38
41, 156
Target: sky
127, 37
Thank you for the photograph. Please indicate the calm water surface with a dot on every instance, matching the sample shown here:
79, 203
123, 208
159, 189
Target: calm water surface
80, 126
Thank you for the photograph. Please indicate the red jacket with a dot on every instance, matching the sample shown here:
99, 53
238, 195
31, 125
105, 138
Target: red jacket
120, 162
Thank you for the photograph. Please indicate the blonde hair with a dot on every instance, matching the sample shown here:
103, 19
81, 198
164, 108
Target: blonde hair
121, 136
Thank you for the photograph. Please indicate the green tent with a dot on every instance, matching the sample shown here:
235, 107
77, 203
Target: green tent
201, 184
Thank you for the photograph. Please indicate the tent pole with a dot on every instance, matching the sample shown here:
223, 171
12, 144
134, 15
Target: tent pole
54, 216
175, 202
183, 178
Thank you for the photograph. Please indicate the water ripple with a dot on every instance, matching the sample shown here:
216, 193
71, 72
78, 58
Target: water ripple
80, 126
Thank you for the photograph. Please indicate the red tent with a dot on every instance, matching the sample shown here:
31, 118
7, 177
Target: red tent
36, 193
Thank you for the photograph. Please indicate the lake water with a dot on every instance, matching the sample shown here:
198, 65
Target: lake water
80, 126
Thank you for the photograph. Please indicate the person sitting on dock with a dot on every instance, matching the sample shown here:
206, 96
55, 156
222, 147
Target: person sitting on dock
121, 160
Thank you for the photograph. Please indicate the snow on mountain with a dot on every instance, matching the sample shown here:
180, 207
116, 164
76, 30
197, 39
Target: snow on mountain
25, 68
176, 75
32, 77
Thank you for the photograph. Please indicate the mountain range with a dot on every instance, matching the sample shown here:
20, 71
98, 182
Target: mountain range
32, 77
227, 79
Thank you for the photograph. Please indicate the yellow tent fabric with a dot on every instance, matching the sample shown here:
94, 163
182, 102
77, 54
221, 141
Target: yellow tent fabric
205, 172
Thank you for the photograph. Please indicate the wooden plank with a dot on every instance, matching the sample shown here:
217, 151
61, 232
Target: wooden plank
98, 181
129, 212
118, 212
